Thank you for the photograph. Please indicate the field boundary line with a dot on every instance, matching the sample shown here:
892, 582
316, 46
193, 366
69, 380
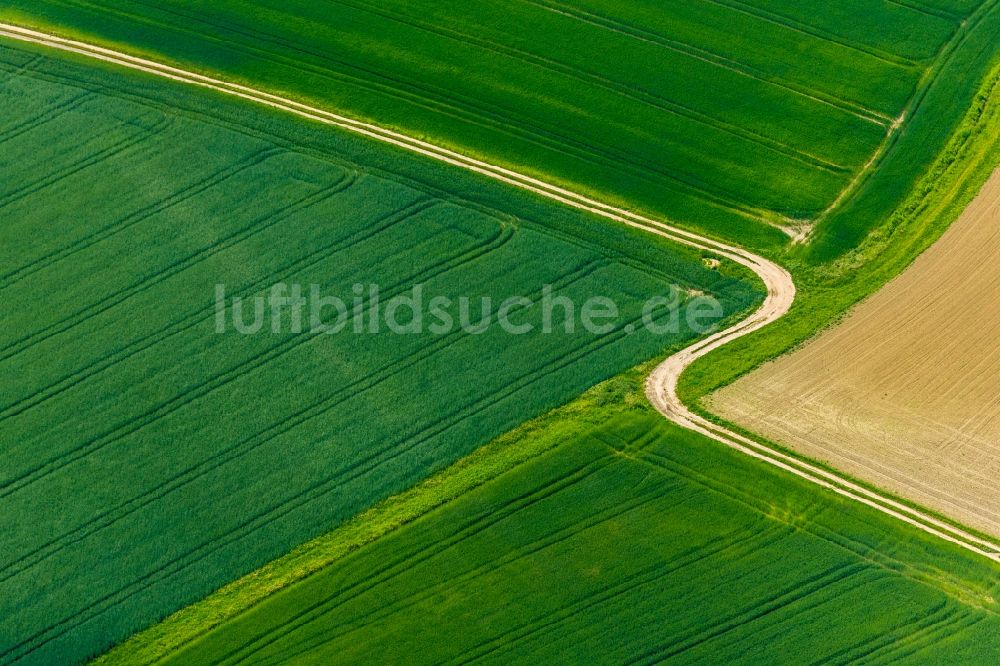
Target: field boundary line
661, 385
481, 523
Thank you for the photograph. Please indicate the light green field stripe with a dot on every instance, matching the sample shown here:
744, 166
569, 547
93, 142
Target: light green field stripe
506, 453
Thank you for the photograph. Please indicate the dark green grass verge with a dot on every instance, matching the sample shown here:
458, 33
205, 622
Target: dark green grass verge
667, 107
601, 533
148, 460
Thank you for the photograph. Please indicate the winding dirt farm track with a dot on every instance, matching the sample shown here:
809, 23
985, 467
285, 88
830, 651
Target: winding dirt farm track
661, 385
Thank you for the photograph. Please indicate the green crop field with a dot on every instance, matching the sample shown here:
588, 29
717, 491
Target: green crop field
668, 106
630, 542
149, 459
384, 497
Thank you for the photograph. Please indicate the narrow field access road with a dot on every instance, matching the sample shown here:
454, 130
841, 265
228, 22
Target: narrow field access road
661, 386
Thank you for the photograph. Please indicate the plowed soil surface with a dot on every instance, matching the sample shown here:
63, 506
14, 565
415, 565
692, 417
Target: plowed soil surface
905, 393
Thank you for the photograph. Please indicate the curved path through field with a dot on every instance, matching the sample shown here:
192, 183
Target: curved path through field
661, 386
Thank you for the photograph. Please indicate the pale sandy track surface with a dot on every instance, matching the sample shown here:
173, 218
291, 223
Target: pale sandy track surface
905, 393
662, 383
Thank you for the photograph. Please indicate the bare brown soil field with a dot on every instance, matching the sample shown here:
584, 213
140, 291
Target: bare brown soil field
905, 392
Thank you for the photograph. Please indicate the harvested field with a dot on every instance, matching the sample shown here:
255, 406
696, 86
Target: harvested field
905, 393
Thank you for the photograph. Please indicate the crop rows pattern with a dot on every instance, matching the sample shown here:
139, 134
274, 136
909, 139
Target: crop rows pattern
148, 459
